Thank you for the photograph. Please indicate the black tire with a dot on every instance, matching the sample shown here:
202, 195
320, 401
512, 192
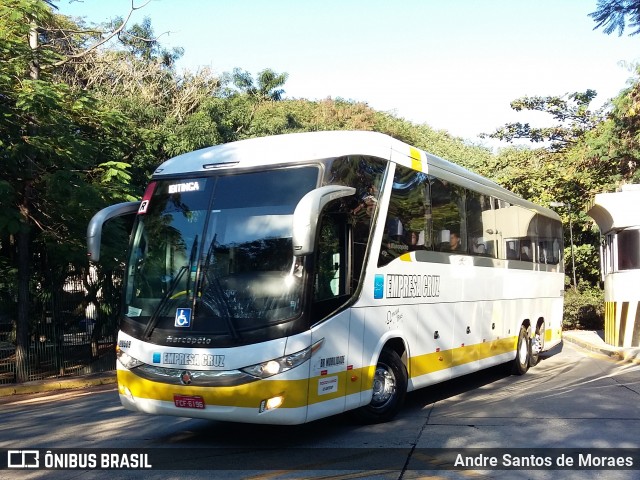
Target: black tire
537, 345
389, 390
523, 353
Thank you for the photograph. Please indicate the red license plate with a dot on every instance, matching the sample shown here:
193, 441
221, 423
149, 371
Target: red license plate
188, 401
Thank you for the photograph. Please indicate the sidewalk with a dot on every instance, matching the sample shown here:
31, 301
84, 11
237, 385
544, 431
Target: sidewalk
594, 342
56, 384
589, 340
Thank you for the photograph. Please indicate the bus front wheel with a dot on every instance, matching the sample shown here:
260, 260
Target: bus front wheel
523, 353
389, 389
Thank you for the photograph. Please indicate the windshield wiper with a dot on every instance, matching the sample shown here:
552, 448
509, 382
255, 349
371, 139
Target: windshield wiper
217, 295
163, 301
192, 259
153, 321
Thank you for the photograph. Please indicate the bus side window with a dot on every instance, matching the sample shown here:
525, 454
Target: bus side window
408, 224
480, 225
447, 210
329, 282
331, 285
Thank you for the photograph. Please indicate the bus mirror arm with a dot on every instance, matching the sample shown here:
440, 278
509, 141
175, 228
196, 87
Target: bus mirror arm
94, 229
307, 213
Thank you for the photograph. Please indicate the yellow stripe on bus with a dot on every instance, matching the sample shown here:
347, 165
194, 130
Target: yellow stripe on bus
416, 158
248, 395
299, 393
435, 361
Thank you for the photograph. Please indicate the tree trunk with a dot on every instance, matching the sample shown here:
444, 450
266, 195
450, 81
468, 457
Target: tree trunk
23, 238
22, 324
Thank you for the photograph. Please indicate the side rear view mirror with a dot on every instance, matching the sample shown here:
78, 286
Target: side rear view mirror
307, 213
94, 230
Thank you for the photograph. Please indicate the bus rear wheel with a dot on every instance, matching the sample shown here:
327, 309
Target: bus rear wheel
523, 353
537, 345
389, 389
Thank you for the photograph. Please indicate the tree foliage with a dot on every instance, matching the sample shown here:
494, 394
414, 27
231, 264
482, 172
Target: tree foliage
88, 112
570, 113
613, 15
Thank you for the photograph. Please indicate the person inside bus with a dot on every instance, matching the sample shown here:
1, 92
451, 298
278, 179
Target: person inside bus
454, 242
414, 242
368, 201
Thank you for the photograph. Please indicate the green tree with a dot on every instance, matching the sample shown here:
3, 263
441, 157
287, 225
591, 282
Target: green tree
613, 15
611, 151
57, 156
570, 112
252, 94
141, 40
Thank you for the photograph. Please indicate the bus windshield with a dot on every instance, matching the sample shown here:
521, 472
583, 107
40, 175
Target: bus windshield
211, 259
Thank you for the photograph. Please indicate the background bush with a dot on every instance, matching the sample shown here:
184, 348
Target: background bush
583, 309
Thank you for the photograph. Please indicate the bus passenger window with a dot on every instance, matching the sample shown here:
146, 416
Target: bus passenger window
447, 207
407, 227
365, 174
480, 225
328, 282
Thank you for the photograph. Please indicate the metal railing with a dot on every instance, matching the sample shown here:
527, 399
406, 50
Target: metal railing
72, 330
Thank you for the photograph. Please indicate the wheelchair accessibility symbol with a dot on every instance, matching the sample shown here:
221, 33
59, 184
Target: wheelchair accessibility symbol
183, 317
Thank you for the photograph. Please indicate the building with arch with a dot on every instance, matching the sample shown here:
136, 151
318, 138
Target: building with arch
618, 218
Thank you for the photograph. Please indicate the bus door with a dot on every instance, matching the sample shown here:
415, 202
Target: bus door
332, 289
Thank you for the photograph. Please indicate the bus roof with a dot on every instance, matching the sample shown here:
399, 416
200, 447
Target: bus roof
309, 146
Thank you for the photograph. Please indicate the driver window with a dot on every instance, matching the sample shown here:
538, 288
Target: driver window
329, 279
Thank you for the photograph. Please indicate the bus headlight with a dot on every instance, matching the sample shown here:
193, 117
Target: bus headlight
127, 360
282, 364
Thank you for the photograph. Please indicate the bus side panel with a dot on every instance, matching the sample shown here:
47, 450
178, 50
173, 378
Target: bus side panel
497, 345
383, 324
356, 370
328, 379
431, 354
553, 323
466, 337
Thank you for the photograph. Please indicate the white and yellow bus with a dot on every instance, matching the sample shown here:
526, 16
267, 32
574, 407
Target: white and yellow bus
288, 278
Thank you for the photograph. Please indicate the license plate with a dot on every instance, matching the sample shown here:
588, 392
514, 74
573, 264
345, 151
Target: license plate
188, 401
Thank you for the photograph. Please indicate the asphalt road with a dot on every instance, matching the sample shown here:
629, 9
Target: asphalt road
571, 402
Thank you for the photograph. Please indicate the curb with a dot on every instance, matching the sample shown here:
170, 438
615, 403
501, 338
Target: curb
596, 345
41, 386
607, 350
